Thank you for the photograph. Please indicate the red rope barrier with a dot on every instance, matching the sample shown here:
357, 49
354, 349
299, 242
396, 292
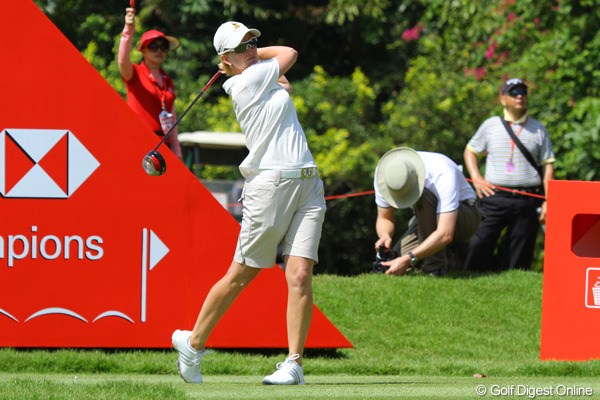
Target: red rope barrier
368, 192
341, 196
539, 196
511, 190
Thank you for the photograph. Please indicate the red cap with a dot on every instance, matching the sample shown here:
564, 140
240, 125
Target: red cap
153, 34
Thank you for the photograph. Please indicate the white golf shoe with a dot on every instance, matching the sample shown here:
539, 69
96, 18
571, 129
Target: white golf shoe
189, 359
288, 372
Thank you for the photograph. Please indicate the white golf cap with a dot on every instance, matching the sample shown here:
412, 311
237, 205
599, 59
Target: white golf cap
230, 34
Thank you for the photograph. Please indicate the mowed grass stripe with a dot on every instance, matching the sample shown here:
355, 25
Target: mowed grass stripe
134, 387
414, 337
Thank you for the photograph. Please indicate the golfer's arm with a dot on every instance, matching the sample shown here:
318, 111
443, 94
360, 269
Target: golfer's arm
285, 56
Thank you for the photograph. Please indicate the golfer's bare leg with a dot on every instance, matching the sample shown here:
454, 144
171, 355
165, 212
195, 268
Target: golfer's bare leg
219, 299
298, 273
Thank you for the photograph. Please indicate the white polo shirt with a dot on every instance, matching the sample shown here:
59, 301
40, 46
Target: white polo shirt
443, 178
267, 116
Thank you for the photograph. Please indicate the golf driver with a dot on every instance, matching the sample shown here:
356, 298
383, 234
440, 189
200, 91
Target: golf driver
153, 163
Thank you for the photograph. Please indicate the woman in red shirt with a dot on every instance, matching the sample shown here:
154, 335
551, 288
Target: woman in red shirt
150, 91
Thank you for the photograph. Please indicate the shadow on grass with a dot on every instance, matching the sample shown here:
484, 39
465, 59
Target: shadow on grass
370, 382
312, 353
120, 350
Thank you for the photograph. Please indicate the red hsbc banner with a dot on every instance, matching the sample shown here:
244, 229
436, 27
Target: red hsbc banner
571, 297
93, 251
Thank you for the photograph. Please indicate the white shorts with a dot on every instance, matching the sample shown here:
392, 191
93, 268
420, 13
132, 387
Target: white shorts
277, 210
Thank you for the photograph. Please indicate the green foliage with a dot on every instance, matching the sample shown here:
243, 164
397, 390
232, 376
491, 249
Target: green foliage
435, 110
581, 146
374, 74
346, 155
341, 11
344, 152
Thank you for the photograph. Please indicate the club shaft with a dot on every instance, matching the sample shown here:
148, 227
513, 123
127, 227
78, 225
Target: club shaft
210, 82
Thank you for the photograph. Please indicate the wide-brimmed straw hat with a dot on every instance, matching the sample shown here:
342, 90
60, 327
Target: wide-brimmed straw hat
401, 177
153, 34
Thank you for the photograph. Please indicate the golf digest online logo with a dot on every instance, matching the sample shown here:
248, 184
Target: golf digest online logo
49, 247
533, 392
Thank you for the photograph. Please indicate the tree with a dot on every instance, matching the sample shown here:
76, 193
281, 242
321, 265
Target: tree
375, 74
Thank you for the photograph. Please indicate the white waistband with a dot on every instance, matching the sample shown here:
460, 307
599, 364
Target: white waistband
299, 173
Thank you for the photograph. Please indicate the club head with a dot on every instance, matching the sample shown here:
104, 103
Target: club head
154, 164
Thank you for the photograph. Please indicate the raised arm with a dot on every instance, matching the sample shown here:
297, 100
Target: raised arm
285, 56
125, 65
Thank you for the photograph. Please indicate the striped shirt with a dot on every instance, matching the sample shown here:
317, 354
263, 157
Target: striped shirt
505, 164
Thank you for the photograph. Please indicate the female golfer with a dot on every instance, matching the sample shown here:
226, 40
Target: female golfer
150, 91
283, 199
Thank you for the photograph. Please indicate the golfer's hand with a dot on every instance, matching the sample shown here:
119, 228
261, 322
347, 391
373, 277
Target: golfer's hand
483, 187
398, 266
129, 16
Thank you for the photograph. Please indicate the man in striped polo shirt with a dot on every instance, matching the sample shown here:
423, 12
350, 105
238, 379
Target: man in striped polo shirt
507, 167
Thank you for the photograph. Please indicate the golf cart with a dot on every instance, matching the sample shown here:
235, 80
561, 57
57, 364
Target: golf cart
202, 148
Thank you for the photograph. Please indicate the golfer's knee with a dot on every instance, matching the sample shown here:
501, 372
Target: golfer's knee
239, 276
300, 282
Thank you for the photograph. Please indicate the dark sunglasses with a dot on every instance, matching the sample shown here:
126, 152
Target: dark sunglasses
519, 90
154, 46
242, 47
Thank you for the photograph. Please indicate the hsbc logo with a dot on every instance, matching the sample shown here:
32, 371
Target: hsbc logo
43, 163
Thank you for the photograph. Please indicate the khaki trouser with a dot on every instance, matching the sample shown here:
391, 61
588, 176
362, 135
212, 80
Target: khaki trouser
425, 222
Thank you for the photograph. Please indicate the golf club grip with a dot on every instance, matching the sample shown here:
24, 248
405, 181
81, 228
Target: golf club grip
210, 82
132, 3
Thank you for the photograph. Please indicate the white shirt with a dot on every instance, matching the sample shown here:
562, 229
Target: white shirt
267, 116
443, 178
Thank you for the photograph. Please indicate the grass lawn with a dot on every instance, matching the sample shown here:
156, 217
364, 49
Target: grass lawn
129, 387
414, 337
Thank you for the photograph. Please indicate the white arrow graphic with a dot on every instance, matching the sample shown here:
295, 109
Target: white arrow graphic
153, 251
157, 250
